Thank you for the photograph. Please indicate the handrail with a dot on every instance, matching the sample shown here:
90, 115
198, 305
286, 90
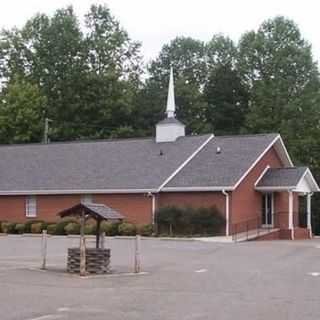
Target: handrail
253, 226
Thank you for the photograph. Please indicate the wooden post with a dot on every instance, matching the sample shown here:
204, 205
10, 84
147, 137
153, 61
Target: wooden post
82, 246
102, 240
44, 249
137, 261
98, 233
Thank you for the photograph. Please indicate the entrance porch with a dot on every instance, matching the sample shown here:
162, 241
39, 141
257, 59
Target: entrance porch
286, 195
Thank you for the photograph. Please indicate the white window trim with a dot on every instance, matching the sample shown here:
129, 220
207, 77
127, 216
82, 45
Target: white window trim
31, 206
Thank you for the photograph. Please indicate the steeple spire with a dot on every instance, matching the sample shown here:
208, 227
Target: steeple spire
171, 106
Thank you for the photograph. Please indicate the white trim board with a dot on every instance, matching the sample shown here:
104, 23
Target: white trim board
277, 138
195, 189
63, 192
261, 175
185, 163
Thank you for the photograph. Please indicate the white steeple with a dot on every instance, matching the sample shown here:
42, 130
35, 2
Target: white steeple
170, 129
171, 106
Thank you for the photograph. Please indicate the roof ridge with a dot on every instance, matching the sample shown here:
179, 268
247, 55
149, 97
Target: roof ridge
290, 168
247, 135
91, 141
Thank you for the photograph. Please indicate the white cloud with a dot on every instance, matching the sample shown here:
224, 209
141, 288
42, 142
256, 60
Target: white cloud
155, 22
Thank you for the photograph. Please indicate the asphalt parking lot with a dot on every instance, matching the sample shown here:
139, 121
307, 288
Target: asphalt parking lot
182, 280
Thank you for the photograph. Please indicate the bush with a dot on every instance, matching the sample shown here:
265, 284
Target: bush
90, 229
8, 227
51, 228
29, 223
111, 229
62, 224
208, 221
186, 221
127, 229
145, 230
168, 219
37, 227
72, 228
19, 228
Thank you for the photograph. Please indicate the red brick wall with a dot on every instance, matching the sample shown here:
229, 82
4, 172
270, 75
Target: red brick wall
12, 208
136, 207
193, 199
247, 202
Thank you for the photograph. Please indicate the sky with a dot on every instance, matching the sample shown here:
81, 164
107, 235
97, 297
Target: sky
156, 22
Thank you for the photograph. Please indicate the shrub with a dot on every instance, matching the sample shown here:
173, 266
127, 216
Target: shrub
37, 227
29, 223
72, 228
185, 221
90, 229
19, 228
8, 227
111, 229
127, 229
51, 228
208, 221
168, 218
145, 230
61, 225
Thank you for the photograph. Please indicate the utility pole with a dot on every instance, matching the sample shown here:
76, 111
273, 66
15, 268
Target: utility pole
46, 130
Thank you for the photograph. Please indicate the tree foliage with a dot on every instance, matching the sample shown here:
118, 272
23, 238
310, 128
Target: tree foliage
277, 65
21, 112
88, 77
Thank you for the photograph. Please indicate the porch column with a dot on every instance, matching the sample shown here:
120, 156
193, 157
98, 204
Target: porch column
290, 222
309, 223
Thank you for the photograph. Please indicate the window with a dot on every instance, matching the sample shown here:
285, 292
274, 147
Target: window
86, 198
31, 206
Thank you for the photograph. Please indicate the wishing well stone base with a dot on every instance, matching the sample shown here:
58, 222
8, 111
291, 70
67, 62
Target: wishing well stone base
97, 260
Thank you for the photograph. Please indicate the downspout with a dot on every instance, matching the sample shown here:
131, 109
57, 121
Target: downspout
309, 218
290, 220
227, 211
153, 207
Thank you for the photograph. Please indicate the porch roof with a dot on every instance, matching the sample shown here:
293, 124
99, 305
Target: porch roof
298, 179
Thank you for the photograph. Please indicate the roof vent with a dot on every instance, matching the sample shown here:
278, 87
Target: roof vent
218, 151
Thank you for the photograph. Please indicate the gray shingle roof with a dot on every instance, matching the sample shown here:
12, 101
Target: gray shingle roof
110, 164
282, 177
96, 210
210, 168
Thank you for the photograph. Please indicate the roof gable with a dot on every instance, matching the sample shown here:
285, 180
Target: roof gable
223, 162
299, 179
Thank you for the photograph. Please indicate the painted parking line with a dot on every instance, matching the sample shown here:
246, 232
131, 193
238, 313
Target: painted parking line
314, 274
47, 317
201, 270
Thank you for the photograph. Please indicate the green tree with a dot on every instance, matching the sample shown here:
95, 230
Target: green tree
227, 100
187, 56
90, 78
276, 64
21, 113
224, 91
